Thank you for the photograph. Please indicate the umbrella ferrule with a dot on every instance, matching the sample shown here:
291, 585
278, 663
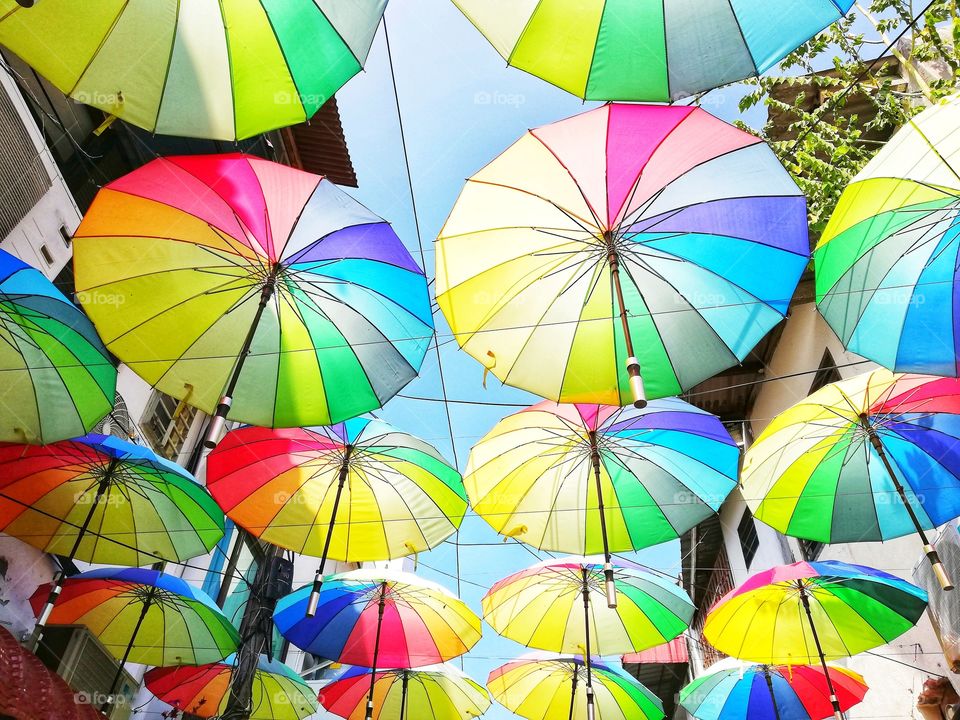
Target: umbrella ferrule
314, 600
610, 584
217, 422
636, 383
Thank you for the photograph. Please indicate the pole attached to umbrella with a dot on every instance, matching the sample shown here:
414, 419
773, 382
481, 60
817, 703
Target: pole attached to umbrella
633, 365
773, 695
573, 692
105, 707
586, 657
928, 548
318, 578
837, 712
215, 426
403, 693
611, 587
103, 485
376, 648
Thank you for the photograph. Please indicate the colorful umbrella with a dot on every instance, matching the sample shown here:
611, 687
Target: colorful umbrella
648, 51
221, 70
58, 378
143, 616
866, 459
447, 692
809, 612
287, 486
379, 618
203, 690
103, 500
771, 692
252, 290
588, 479
885, 265
553, 688
561, 605
627, 236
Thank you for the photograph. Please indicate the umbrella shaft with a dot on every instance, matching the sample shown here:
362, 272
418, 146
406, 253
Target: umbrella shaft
318, 580
586, 657
633, 365
403, 696
931, 552
219, 417
608, 565
376, 649
573, 694
105, 708
773, 695
823, 660
58, 581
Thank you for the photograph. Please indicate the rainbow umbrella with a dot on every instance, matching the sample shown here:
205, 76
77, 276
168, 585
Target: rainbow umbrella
252, 290
221, 70
885, 265
561, 605
58, 378
588, 479
551, 688
100, 499
143, 616
377, 619
286, 487
203, 690
866, 459
813, 611
629, 236
771, 692
447, 692
648, 51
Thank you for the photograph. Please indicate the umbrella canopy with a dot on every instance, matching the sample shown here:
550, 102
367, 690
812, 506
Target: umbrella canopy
865, 459
103, 500
221, 70
145, 616
448, 693
203, 690
551, 689
58, 378
852, 609
885, 264
627, 237
543, 607
541, 474
271, 297
422, 622
771, 692
647, 51
395, 494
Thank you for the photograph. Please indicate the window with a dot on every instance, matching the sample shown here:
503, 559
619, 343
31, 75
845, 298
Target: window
167, 423
811, 549
827, 373
64, 282
45, 253
66, 236
749, 541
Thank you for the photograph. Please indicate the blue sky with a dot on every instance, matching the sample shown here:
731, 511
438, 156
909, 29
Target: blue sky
461, 107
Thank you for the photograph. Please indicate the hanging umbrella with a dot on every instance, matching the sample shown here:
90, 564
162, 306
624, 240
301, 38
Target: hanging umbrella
885, 263
813, 611
771, 692
143, 616
587, 479
447, 692
399, 495
100, 499
58, 378
224, 71
377, 619
561, 605
203, 690
647, 51
626, 237
270, 297
555, 688
866, 459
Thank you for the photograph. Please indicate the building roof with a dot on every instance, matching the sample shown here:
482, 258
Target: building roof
319, 146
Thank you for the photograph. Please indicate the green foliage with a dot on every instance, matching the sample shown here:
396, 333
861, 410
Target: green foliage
813, 126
